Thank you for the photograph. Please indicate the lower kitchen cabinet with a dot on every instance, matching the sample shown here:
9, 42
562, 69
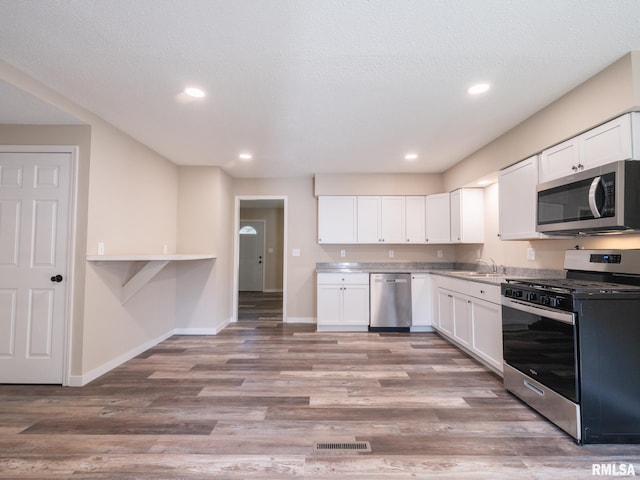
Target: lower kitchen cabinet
486, 331
421, 302
343, 302
470, 316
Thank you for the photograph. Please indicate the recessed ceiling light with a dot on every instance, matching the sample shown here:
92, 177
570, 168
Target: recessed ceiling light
478, 89
411, 156
194, 92
245, 156
482, 183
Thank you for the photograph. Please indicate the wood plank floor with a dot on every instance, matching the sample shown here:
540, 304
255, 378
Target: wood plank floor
250, 403
260, 306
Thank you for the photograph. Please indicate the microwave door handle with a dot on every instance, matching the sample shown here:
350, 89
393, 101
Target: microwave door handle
593, 189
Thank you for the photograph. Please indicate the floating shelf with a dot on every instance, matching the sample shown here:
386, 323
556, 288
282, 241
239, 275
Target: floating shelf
153, 265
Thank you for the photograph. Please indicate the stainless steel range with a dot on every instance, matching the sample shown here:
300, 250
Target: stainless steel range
572, 346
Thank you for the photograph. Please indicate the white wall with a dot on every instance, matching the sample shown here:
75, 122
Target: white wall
205, 225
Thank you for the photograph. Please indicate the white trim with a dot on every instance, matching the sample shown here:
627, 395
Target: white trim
272, 290
82, 380
236, 249
72, 150
301, 320
343, 328
422, 328
202, 331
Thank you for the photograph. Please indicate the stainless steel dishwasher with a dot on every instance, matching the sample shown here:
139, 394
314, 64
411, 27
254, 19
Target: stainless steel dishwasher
390, 301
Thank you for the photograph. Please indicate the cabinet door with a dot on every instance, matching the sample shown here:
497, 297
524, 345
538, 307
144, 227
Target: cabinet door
415, 219
559, 161
467, 215
462, 320
445, 311
486, 324
329, 308
421, 299
392, 224
607, 143
437, 218
517, 198
369, 220
337, 219
355, 303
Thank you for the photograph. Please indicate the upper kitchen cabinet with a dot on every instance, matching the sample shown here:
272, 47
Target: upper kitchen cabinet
467, 215
415, 219
438, 218
337, 219
610, 142
517, 199
381, 219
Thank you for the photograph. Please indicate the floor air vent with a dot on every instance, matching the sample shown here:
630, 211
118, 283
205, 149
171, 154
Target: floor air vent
342, 447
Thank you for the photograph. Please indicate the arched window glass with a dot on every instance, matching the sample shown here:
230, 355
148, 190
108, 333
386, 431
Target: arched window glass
248, 230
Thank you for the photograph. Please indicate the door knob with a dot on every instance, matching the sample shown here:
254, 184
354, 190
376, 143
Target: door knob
56, 278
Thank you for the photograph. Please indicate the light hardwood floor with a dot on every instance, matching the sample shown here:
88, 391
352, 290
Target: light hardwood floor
250, 403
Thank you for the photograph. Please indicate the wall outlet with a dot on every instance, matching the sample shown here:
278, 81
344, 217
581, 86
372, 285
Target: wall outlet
391, 254
343, 253
531, 254
295, 252
165, 249
100, 248
440, 254
270, 250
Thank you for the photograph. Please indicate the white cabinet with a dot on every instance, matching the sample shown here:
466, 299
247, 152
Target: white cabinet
421, 302
560, 160
462, 319
470, 315
445, 311
607, 143
415, 219
343, 302
486, 331
381, 219
337, 219
615, 140
438, 218
467, 215
517, 200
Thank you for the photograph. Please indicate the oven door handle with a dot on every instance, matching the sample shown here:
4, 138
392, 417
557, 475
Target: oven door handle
565, 317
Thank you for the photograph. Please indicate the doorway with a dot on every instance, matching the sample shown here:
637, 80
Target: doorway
260, 260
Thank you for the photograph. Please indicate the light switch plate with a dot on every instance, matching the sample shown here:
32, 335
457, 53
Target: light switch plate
343, 253
100, 248
531, 254
295, 252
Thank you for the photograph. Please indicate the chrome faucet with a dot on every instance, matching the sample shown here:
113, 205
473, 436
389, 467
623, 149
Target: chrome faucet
493, 266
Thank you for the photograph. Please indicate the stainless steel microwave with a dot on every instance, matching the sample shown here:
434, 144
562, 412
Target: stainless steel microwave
600, 200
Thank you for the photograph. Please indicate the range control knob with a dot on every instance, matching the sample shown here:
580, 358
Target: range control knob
508, 292
554, 302
531, 297
544, 300
518, 293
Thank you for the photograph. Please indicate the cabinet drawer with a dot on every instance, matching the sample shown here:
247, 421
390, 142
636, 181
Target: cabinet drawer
455, 284
343, 278
490, 293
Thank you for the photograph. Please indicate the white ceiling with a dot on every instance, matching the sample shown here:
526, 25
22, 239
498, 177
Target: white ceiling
310, 86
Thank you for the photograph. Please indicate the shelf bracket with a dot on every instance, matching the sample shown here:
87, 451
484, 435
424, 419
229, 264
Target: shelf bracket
141, 278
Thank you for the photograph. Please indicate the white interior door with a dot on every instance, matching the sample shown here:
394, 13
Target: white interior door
251, 267
34, 222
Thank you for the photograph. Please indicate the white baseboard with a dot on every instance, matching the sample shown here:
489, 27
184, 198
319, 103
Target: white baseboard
300, 320
422, 328
343, 328
272, 290
82, 380
202, 331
